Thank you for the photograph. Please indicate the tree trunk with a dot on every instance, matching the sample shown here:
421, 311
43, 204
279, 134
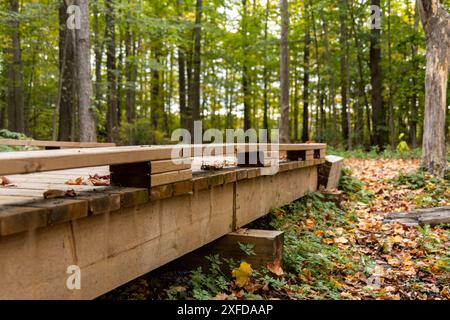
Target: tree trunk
344, 71
98, 52
16, 120
156, 96
265, 71
380, 131
284, 72
245, 75
194, 90
131, 74
319, 95
67, 92
390, 96
330, 73
182, 77
436, 23
111, 65
306, 62
84, 83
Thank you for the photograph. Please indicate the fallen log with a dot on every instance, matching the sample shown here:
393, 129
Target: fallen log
430, 216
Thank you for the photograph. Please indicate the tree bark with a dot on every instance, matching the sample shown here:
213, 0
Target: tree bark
98, 52
67, 94
344, 71
306, 62
84, 81
245, 73
330, 74
284, 72
380, 131
16, 120
131, 74
184, 123
436, 23
194, 90
111, 66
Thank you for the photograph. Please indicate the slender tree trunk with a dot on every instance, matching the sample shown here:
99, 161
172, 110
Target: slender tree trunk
380, 131
131, 74
296, 102
245, 73
306, 62
194, 89
111, 66
319, 95
359, 133
16, 120
390, 96
184, 123
436, 23
156, 96
344, 70
414, 114
84, 85
330, 75
98, 52
67, 94
284, 72
265, 71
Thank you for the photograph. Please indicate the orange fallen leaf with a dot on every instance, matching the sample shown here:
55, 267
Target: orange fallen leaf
275, 268
75, 182
310, 224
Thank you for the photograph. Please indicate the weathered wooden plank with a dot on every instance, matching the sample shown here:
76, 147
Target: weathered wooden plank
330, 172
38, 161
170, 177
162, 166
55, 144
183, 187
161, 192
130, 197
20, 219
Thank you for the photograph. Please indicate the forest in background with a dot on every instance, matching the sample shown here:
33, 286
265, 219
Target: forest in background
160, 65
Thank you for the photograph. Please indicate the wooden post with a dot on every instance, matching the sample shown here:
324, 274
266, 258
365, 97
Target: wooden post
330, 172
268, 247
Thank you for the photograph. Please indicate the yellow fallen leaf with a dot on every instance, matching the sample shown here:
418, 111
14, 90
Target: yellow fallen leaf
306, 276
242, 274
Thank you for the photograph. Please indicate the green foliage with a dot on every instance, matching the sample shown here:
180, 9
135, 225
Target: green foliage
6, 134
247, 248
375, 153
207, 285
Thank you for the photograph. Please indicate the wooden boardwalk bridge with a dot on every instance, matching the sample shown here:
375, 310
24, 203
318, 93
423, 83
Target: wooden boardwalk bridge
120, 212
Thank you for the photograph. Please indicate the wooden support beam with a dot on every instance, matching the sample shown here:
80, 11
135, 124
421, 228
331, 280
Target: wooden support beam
330, 172
39, 161
267, 246
171, 177
137, 175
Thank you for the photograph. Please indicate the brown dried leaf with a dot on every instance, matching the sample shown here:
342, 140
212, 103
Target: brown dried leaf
275, 268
